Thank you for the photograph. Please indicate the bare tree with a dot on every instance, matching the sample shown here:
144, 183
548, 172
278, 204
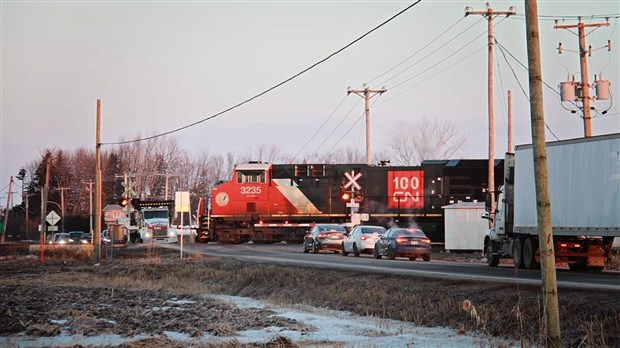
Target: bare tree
429, 138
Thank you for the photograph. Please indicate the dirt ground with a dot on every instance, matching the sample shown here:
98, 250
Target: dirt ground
132, 296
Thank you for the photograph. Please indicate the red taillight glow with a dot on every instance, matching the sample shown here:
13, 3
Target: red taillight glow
401, 240
322, 235
569, 245
364, 237
426, 241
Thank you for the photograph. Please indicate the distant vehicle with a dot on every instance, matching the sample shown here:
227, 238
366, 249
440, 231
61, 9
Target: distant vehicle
324, 237
75, 236
60, 238
361, 239
86, 238
407, 242
105, 237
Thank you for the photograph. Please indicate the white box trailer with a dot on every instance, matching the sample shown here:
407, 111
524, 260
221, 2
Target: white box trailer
464, 228
584, 187
584, 190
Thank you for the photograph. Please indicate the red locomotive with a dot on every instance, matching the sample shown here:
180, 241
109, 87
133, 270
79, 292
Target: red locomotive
267, 203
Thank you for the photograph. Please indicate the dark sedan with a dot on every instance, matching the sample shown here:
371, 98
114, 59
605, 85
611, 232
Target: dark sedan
324, 237
407, 242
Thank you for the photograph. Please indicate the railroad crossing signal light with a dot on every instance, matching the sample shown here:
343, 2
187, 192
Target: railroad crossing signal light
345, 196
135, 203
123, 202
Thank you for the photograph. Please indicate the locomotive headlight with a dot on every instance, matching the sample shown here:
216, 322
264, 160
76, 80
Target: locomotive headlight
171, 233
147, 235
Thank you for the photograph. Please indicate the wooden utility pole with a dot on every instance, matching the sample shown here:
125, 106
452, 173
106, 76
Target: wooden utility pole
490, 14
510, 147
62, 207
44, 207
6, 211
98, 182
543, 203
367, 93
583, 58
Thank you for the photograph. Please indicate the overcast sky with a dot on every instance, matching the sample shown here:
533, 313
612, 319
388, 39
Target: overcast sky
158, 66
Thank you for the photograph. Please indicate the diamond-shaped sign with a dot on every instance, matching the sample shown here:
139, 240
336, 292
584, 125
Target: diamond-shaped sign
52, 218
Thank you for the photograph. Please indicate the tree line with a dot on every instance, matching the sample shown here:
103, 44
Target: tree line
157, 164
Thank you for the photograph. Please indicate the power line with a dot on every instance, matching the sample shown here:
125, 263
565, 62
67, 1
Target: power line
418, 51
334, 130
428, 78
428, 55
269, 89
319, 129
521, 86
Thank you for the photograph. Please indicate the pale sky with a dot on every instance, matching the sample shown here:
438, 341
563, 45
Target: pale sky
158, 66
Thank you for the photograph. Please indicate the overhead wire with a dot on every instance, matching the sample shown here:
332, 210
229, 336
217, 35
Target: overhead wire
418, 51
335, 128
270, 88
321, 127
521, 86
394, 96
430, 54
352, 126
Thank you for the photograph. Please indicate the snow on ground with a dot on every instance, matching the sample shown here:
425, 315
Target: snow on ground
344, 329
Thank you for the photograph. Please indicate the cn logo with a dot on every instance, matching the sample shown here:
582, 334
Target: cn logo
405, 189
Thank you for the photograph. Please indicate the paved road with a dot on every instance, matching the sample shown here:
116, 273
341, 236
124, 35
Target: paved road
293, 255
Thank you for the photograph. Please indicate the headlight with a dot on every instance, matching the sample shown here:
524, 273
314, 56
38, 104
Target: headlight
84, 241
147, 235
61, 242
171, 233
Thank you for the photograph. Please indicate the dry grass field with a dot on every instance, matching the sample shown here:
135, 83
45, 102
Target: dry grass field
32, 294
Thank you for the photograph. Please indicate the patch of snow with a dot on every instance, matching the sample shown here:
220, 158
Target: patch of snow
344, 329
180, 302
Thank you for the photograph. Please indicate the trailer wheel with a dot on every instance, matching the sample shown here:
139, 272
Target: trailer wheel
517, 253
529, 254
492, 260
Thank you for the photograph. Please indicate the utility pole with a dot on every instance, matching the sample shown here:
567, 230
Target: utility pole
367, 93
62, 207
90, 212
6, 211
490, 14
510, 148
98, 181
543, 203
583, 57
44, 207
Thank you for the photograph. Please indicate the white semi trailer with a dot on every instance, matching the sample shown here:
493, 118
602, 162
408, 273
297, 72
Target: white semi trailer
584, 189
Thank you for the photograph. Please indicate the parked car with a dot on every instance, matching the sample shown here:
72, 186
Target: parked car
324, 237
60, 238
76, 236
407, 242
361, 239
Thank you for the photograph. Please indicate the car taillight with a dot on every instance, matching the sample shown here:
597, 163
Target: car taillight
402, 240
364, 237
426, 241
570, 245
322, 235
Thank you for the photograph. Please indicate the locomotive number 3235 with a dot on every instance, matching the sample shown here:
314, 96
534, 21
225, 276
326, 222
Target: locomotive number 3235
250, 190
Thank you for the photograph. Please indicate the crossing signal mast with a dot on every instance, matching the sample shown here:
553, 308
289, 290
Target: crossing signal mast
571, 91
